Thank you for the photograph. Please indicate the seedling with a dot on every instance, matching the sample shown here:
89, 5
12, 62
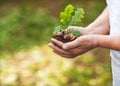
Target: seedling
70, 17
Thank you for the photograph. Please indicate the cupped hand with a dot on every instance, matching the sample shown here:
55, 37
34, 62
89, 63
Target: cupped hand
74, 48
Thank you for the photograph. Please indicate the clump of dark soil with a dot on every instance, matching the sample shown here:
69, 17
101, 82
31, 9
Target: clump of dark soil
64, 36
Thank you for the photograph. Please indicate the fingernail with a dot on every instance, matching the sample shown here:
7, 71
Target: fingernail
64, 47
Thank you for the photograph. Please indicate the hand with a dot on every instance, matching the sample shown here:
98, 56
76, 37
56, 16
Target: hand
74, 48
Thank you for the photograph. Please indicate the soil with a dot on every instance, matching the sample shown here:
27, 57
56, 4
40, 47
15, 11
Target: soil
64, 36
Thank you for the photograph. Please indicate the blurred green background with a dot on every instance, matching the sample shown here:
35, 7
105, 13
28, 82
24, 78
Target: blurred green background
26, 60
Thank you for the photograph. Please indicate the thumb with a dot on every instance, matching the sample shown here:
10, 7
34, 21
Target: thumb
80, 29
74, 27
71, 45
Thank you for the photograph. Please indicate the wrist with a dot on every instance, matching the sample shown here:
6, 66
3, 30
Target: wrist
95, 40
92, 39
97, 29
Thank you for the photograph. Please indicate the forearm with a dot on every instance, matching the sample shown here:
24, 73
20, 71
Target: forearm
109, 41
101, 24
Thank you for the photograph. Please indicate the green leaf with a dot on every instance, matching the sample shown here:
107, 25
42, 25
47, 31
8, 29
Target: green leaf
66, 15
79, 14
74, 32
58, 28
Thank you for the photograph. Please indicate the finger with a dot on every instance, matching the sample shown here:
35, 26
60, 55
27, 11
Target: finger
58, 43
63, 55
56, 48
71, 45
